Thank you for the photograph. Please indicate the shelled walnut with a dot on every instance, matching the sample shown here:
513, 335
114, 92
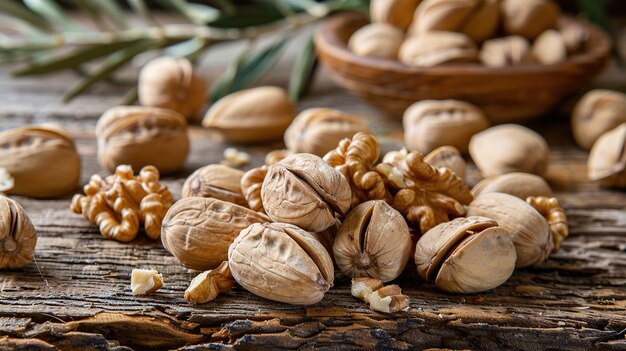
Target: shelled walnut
119, 203
41, 159
373, 241
251, 115
281, 262
171, 83
527, 228
466, 255
386, 299
318, 130
377, 40
607, 159
145, 281
207, 285
141, 136
426, 195
478, 19
17, 235
217, 181
305, 191
437, 47
398, 13
597, 112
198, 230
529, 18
518, 184
550, 208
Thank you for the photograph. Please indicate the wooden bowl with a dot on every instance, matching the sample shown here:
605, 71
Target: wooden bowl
506, 94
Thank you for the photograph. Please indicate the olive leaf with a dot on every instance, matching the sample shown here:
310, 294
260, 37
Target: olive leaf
196, 13
597, 12
17, 11
140, 7
303, 71
52, 12
113, 10
247, 69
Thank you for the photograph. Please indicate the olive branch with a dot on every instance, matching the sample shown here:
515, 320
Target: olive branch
44, 38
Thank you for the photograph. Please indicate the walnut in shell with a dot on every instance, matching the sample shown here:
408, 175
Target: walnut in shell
17, 235
281, 262
597, 112
318, 130
217, 181
528, 229
466, 255
141, 136
478, 19
607, 159
171, 83
429, 124
251, 115
305, 191
509, 148
549, 48
447, 157
198, 230
507, 51
42, 160
529, 18
376, 40
373, 241
119, 203
398, 13
518, 184
436, 48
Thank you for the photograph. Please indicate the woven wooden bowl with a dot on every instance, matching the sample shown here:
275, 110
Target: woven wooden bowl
507, 94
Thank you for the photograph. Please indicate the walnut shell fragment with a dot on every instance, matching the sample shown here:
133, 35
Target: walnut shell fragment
305, 191
207, 285
388, 299
550, 208
198, 230
18, 237
281, 262
119, 203
216, 181
251, 184
466, 255
373, 241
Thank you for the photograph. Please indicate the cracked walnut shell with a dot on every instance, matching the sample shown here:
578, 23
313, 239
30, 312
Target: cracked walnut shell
466, 255
198, 230
281, 262
42, 160
141, 136
597, 112
216, 181
607, 159
17, 235
373, 241
119, 203
171, 83
207, 285
304, 190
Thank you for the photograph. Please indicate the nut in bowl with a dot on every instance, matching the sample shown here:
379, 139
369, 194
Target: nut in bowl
503, 93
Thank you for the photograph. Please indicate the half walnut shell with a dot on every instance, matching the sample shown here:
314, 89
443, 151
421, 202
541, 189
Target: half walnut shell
281, 262
466, 255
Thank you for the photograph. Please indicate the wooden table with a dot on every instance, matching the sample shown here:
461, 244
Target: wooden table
76, 295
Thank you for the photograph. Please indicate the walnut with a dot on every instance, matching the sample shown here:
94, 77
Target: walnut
550, 208
387, 299
507, 51
198, 230
120, 202
207, 285
217, 181
398, 13
42, 160
318, 130
281, 262
141, 136
355, 160
145, 281
6, 181
518, 184
529, 18
425, 194
549, 48
607, 159
171, 83
597, 112
362, 287
276, 156
377, 40
436, 48
478, 19
17, 235
448, 157
251, 115
251, 184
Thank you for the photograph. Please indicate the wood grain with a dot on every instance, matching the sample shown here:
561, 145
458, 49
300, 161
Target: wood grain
76, 296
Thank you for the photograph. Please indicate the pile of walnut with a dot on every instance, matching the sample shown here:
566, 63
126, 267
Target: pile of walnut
425, 33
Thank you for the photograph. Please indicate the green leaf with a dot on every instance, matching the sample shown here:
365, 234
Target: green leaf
250, 68
597, 12
131, 97
112, 9
18, 11
303, 71
73, 59
248, 15
112, 64
95, 15
141, 8
52, 12
196, 13
186, 48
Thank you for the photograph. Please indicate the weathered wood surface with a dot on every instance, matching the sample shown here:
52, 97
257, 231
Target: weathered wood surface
76, 295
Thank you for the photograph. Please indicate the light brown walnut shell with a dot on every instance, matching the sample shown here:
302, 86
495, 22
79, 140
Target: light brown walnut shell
207, 285
398, 13
529, 18
518, 184
512, 50
119, 203
597, 112
607, 159
435, 48
377, 40
18, 237
251, 184
217, 181
448, 157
